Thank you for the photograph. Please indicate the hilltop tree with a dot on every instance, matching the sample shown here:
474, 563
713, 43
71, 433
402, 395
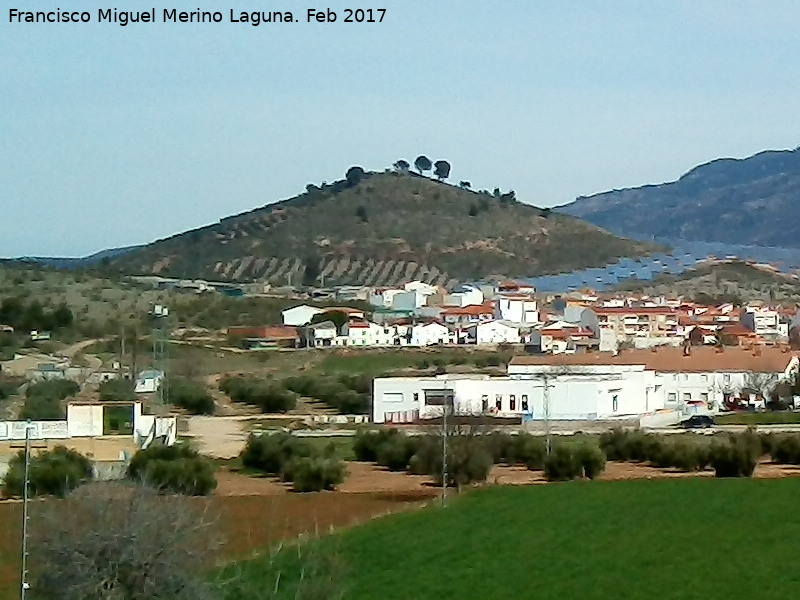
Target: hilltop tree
465, 185
422, 163
441, 168
401, 166
361, 213
354, 176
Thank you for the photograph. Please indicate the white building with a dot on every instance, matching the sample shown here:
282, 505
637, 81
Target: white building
464, 295
519, 308
429, 334
590, 386
298, 316
321, 334
493, 332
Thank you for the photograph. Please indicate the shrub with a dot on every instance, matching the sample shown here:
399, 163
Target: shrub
785, 448
313, 474
117, 390
562, 464
43, 408
8, 388
191, 395
396, 452
733, 457
53, 472
53, 388
368, 441
178, 468
592, 460
269, 396
270, 454
574, 460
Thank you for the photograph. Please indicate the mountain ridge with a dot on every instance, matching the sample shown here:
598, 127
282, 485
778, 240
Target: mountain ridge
730, 200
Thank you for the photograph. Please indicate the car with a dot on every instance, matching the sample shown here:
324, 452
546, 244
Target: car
698, 422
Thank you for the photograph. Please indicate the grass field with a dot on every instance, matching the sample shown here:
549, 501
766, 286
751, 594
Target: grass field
767, 418
667, 539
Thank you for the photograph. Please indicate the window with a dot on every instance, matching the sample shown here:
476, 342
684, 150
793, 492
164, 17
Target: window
416, 396
513, 402
525, 402
672, 396
438, 397
704, 377
704, 396
615, 403
687, 396
726, 378
484, 403
498, 402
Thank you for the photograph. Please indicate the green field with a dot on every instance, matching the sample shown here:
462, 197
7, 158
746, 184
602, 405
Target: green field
665, 539
767, 418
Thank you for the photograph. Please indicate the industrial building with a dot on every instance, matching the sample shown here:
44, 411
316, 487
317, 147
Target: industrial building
590, 386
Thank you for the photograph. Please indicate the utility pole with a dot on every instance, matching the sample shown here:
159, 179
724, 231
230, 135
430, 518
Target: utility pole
23, 578
445, 398
546, 401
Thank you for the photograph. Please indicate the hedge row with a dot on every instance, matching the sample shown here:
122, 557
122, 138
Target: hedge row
294, 460
728, 455
269, 396
346, 393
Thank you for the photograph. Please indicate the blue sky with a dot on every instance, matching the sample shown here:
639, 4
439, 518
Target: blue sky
111, 136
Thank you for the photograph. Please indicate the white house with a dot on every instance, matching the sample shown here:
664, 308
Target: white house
148, 381
429, 334
321, 334
464, 295
423, 288
366, 333
518, 308
298, 316
493, 332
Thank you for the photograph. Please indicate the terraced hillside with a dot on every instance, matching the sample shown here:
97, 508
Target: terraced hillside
387, 228
723, 281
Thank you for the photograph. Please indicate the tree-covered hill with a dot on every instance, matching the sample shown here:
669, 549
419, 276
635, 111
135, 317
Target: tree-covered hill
383, 228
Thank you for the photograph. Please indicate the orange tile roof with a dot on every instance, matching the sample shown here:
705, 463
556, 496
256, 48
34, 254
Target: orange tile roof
472, 310
702, 359
635, 310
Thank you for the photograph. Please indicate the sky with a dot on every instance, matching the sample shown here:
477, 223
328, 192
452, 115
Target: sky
112, 136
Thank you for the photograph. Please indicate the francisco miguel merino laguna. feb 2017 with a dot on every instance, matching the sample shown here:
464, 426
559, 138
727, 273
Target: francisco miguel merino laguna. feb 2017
172, 15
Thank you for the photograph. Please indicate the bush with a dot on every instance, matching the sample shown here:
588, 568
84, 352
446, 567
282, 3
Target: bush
785, 448
191, 395
562, 464
8, 388
178, 468
270, 454
43, 408
347, 393
733, 457
269, 396
368, 441
396, 452
53, 388
469, 459
313, 474
53, 472
574, 460
115, 390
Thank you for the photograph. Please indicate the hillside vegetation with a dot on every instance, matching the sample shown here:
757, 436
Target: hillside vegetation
729, 281
383, 229
728, 200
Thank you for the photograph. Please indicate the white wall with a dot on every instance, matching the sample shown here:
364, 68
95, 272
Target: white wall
40, 430
85, 420
299, 315
571, 397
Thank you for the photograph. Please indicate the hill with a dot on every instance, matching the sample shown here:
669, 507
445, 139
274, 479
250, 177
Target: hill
722, 281
75, 262
383, 229
737, 201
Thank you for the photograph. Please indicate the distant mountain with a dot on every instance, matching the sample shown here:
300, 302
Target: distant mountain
737, 201
380, 229
76, 263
